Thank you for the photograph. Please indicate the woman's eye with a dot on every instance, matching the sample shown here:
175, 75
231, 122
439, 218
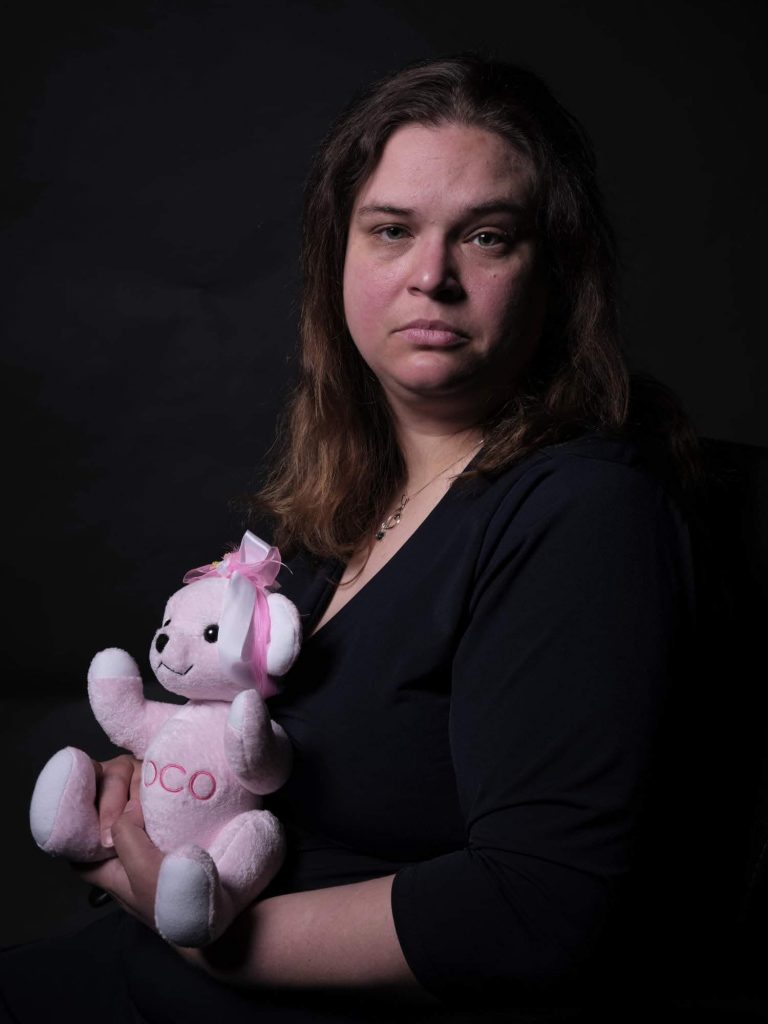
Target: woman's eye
211, 634
490, 239
392, 233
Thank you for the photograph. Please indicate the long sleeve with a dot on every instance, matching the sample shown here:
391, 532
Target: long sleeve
580, 596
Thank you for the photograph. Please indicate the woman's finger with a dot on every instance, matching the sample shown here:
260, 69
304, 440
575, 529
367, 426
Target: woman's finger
113, 781
135, 794
137, 853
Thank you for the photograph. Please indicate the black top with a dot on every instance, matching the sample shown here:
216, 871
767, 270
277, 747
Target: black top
480, 720
481, 717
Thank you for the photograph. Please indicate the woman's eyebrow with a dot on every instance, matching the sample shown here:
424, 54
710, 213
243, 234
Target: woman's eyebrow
396, 211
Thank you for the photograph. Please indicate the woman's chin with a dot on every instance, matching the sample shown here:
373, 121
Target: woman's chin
440, 394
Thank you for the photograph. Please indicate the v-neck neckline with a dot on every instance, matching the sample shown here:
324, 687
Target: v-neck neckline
335, 579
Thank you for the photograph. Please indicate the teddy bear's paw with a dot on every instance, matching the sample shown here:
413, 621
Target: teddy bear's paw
186, 897
113, 663
248, 715
62, 816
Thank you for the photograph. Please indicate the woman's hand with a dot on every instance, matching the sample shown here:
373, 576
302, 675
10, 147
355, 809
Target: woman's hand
131, 876
338, 937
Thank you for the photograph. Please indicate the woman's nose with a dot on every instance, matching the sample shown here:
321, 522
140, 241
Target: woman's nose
433, 270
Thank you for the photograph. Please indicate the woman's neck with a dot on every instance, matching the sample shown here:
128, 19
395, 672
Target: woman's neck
431, 449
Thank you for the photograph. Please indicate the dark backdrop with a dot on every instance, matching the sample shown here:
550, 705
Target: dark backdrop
150, 206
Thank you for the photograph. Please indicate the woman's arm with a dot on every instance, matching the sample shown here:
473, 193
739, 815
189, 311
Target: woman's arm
337, 937
579, 606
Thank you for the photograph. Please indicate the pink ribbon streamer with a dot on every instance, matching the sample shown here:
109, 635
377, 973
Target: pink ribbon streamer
244, 625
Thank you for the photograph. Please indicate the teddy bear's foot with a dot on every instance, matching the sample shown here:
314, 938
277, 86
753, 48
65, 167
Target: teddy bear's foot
186, 897
63, 816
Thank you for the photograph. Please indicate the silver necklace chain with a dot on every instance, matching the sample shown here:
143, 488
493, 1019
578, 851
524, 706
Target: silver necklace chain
394, 517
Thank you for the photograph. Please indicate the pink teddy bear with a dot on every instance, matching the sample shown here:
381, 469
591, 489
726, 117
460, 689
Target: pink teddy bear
206, 762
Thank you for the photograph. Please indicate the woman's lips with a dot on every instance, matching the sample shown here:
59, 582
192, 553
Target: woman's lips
433, 333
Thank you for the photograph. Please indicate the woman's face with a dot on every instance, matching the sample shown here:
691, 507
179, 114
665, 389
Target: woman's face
442, 294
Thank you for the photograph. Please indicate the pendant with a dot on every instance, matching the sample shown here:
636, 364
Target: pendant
391, 521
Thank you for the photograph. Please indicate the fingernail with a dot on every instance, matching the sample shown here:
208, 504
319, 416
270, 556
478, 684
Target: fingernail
106, 838
130, 806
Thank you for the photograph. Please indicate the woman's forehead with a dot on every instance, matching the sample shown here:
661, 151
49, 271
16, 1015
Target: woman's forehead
446, 165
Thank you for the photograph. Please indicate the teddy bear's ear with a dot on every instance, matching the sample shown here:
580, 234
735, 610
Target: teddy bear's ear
284, 634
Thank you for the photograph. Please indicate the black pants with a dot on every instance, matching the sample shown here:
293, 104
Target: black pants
76, 975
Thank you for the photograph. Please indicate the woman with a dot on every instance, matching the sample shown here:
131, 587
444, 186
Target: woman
495, 587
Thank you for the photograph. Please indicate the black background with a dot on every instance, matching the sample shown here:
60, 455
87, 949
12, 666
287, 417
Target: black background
152, 181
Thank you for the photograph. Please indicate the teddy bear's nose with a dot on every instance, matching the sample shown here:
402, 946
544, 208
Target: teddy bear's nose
160, 642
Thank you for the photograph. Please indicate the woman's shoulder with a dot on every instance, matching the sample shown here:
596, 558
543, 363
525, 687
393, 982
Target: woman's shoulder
593, 487
590, 467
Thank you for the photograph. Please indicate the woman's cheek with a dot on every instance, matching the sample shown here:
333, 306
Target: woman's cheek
367, 307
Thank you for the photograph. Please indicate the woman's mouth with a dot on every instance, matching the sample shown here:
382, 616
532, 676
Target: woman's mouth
433, 333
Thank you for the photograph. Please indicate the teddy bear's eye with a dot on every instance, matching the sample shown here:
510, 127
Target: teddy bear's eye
211, 634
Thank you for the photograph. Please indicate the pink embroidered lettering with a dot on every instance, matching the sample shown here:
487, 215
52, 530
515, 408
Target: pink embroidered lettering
202, 784
206, 787
167, 768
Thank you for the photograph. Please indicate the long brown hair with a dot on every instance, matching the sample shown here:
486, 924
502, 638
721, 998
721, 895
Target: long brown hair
338, 462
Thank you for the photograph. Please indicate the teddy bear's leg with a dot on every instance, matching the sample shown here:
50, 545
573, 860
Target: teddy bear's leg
200, 892
63, 816
248, 852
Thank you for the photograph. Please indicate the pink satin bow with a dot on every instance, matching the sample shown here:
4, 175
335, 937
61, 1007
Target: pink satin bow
244, 625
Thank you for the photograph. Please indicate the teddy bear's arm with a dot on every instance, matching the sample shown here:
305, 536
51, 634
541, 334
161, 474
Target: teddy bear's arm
117, 699
258, 750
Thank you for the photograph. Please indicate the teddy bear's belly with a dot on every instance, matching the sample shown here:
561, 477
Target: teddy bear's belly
188, 790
